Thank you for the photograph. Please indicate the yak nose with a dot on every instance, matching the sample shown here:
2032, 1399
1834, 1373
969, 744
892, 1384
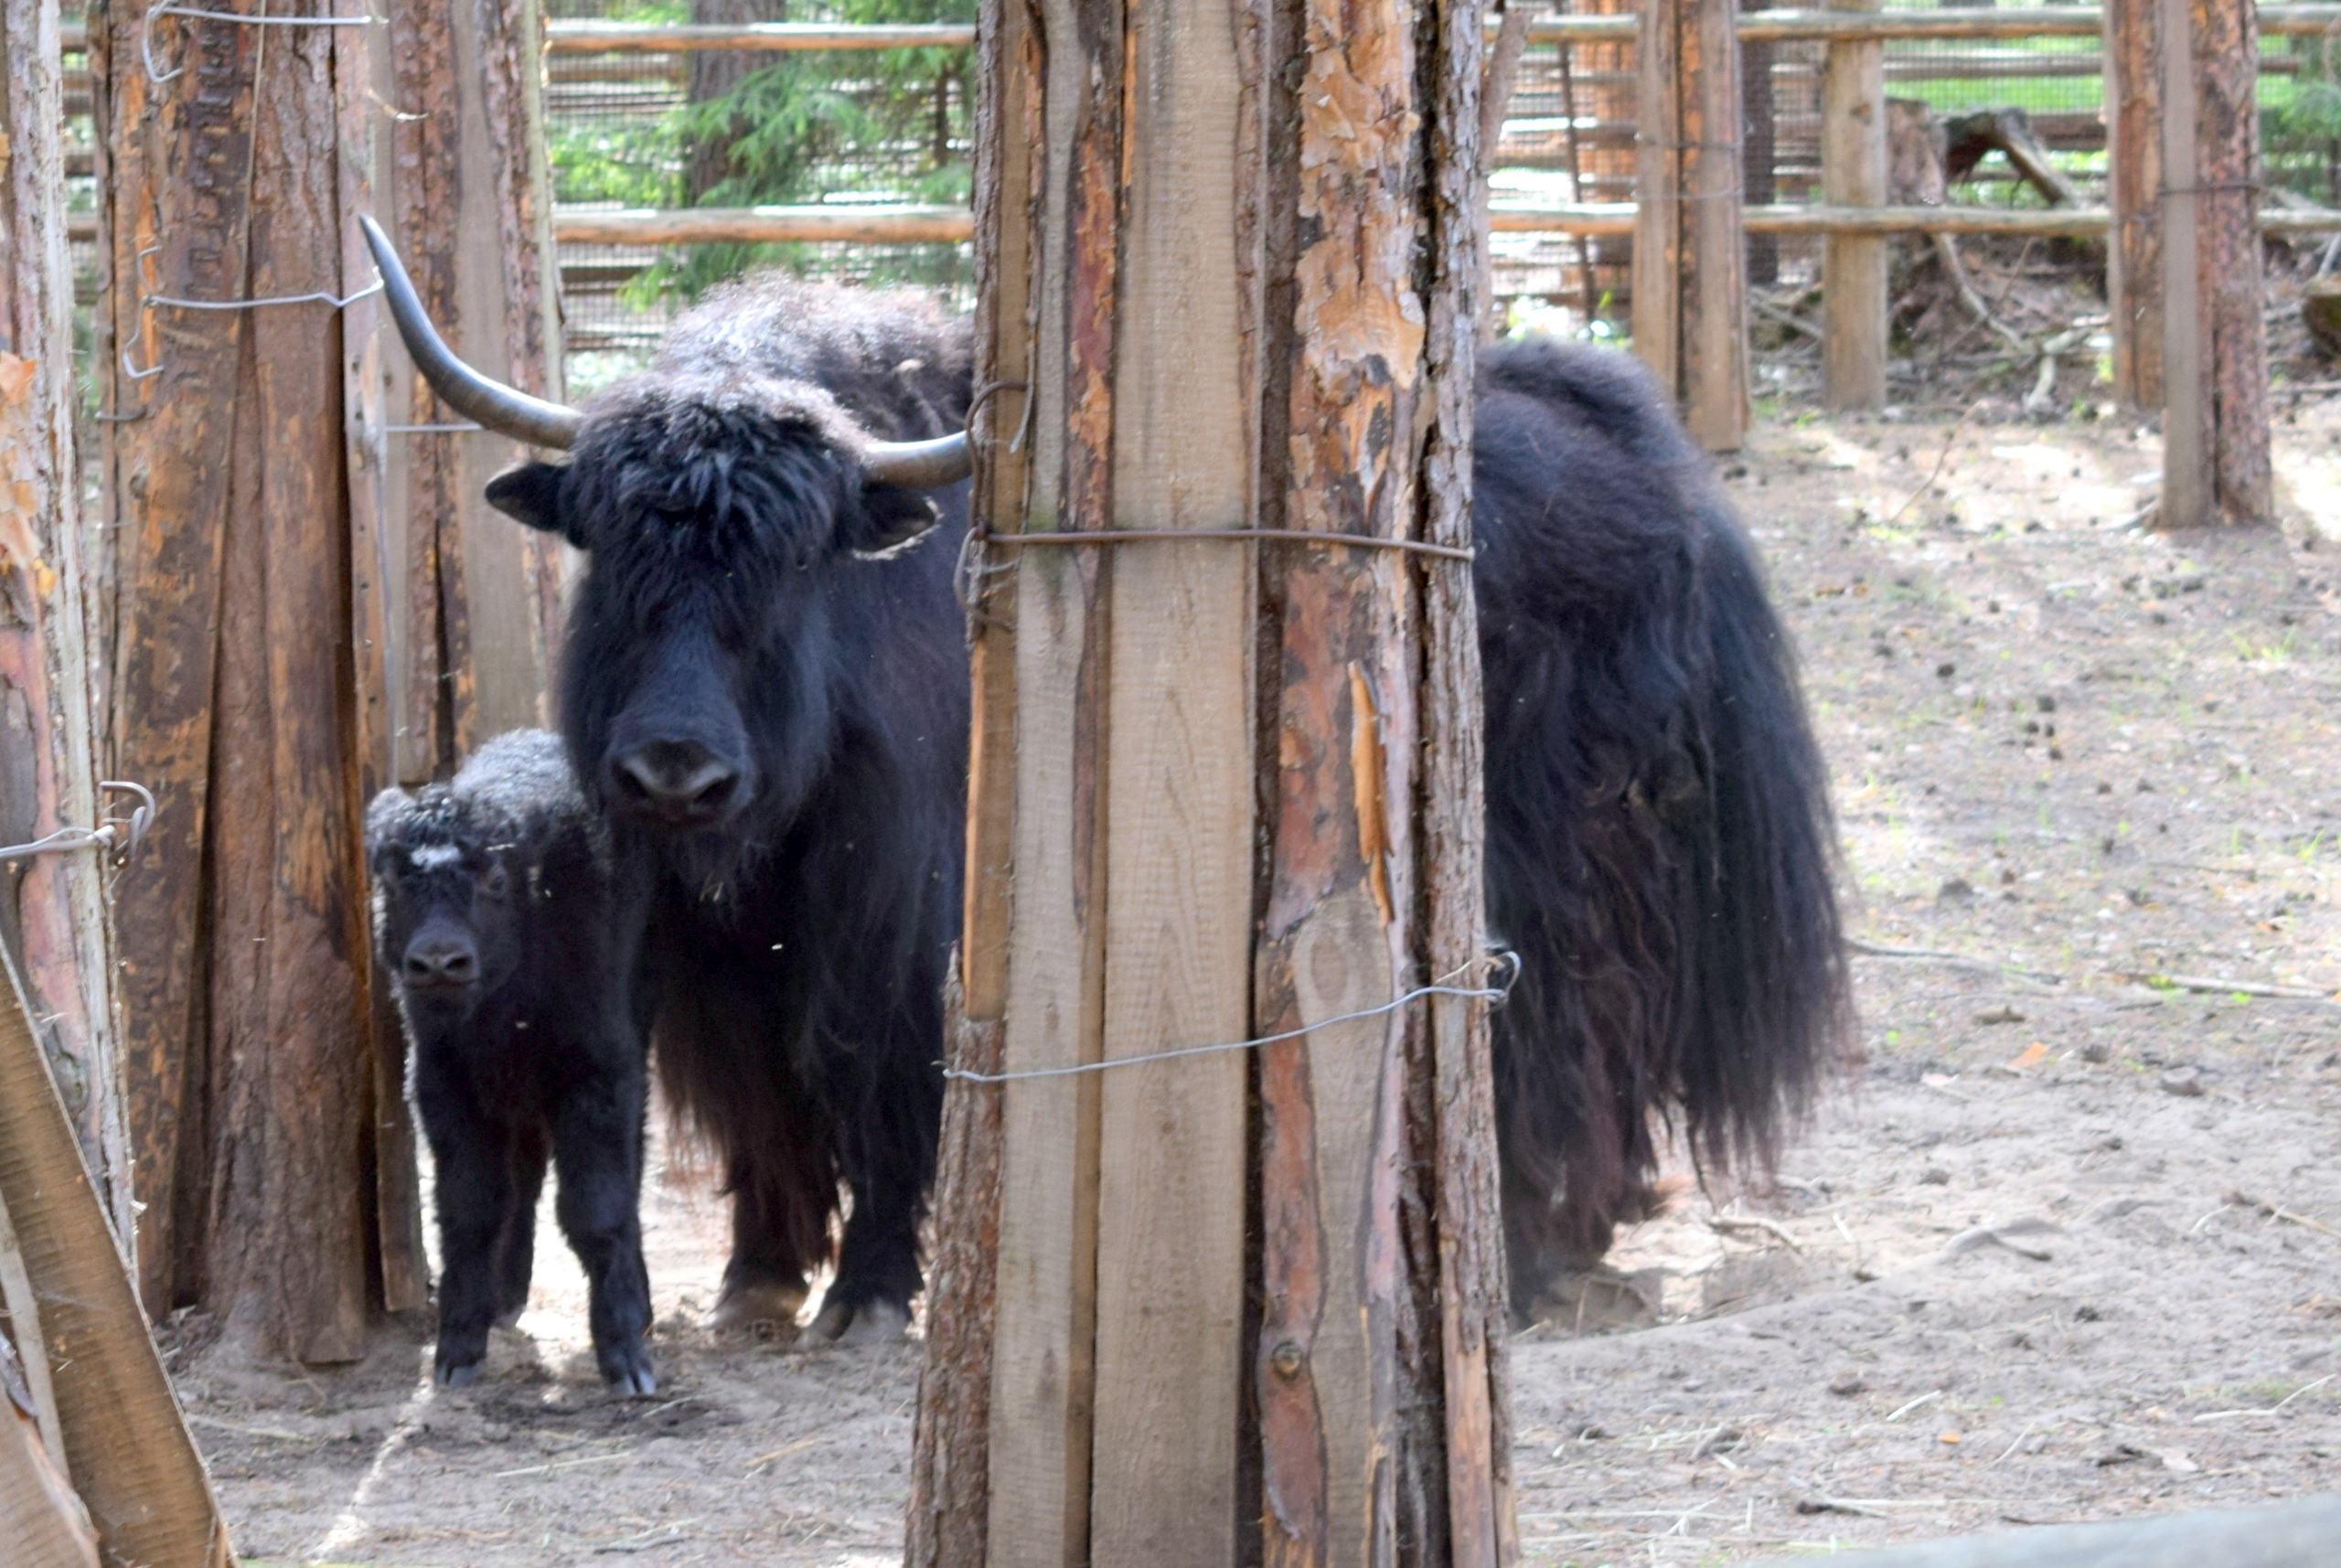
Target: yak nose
441, 960
681, 781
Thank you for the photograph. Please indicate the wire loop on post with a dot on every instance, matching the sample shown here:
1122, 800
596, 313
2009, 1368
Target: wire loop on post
1288, 536
147, 29
1442, 986
119, 837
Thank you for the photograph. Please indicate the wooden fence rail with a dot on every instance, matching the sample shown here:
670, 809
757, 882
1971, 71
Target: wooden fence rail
583, 37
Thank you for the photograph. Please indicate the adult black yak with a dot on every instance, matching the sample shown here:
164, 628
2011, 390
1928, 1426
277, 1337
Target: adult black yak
765, 682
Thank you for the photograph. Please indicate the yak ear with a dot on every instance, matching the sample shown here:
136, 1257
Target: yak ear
895, 516
530, 494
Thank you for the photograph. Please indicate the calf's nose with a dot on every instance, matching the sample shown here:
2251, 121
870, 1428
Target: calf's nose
681, 781
441, 961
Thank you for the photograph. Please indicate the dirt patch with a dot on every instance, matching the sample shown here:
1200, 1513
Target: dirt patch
2065, 1248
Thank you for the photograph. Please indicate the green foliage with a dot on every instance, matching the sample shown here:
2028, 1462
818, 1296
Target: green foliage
875, 125
2300, 119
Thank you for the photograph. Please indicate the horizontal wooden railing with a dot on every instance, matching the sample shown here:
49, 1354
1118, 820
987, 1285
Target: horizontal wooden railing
910, 225
576, 37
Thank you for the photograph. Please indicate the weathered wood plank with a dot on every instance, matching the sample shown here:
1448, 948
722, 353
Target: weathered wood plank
132, 1460
1853, 267
1659, 194
2134, 67
1179, 795
53, 917
1713, 291
180, 222
1043, 1380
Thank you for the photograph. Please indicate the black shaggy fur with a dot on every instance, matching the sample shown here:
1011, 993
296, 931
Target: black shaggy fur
1658, 839
493, 905
781, 721
757, 616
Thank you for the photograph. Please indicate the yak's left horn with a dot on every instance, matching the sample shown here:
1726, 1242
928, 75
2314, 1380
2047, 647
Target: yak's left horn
504, 410
919, 465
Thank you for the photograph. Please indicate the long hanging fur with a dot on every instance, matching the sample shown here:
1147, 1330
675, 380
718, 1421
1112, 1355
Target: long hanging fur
1660, 846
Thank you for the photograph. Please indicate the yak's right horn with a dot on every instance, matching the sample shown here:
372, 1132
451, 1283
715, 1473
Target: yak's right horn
919, 465
504, 410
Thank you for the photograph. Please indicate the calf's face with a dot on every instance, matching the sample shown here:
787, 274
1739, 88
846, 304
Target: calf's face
699, 677
447, 924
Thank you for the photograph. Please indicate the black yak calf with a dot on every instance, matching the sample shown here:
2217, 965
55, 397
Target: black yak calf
768, 694
494, 906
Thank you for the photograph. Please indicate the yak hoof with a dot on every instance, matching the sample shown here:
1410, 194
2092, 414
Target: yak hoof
758, 1309
628, 1372
871, 1323
457, 1377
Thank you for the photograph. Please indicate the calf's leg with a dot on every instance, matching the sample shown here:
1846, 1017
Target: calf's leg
517, 1253
472, 1158
596, 1150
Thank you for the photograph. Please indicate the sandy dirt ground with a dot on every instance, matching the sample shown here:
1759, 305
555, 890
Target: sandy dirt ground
2068, 1246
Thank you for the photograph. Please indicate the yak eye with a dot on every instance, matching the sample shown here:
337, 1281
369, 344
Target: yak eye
495, 882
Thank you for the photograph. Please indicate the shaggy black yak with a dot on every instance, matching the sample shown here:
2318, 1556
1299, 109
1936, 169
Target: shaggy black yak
766, 687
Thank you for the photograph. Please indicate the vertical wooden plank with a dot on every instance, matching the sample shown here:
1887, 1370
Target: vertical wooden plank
505, 296
290, 1009
2134, 187
1450, 1103
363, 81
1046, 1367
2233, 293
132, 1460
1714, 277
1853, 266
53, 914
1179, 795
957, 1469
1657, 193
180, 215
2187, 496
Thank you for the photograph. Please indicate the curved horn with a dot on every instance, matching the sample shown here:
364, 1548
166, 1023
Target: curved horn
919, 465
504, 410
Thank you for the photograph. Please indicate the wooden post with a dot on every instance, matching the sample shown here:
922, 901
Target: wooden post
1854, 266
2134, 89
1690, 253
2216, 458
1237, 788
53, 924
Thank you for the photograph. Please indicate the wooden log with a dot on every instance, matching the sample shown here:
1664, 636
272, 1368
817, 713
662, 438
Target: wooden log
2298, 1534
2134, 191
581, 36
1141, 1408
131, 1461
53, 917
1854, 266
871, 225
592, 38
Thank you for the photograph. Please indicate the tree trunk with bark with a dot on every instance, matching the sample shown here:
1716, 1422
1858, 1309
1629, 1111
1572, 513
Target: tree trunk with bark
714, 73
1229, 280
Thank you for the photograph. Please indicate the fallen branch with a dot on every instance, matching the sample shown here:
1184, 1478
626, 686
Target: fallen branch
2214, 986
1947, 252
1879, 950
2232, 1414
